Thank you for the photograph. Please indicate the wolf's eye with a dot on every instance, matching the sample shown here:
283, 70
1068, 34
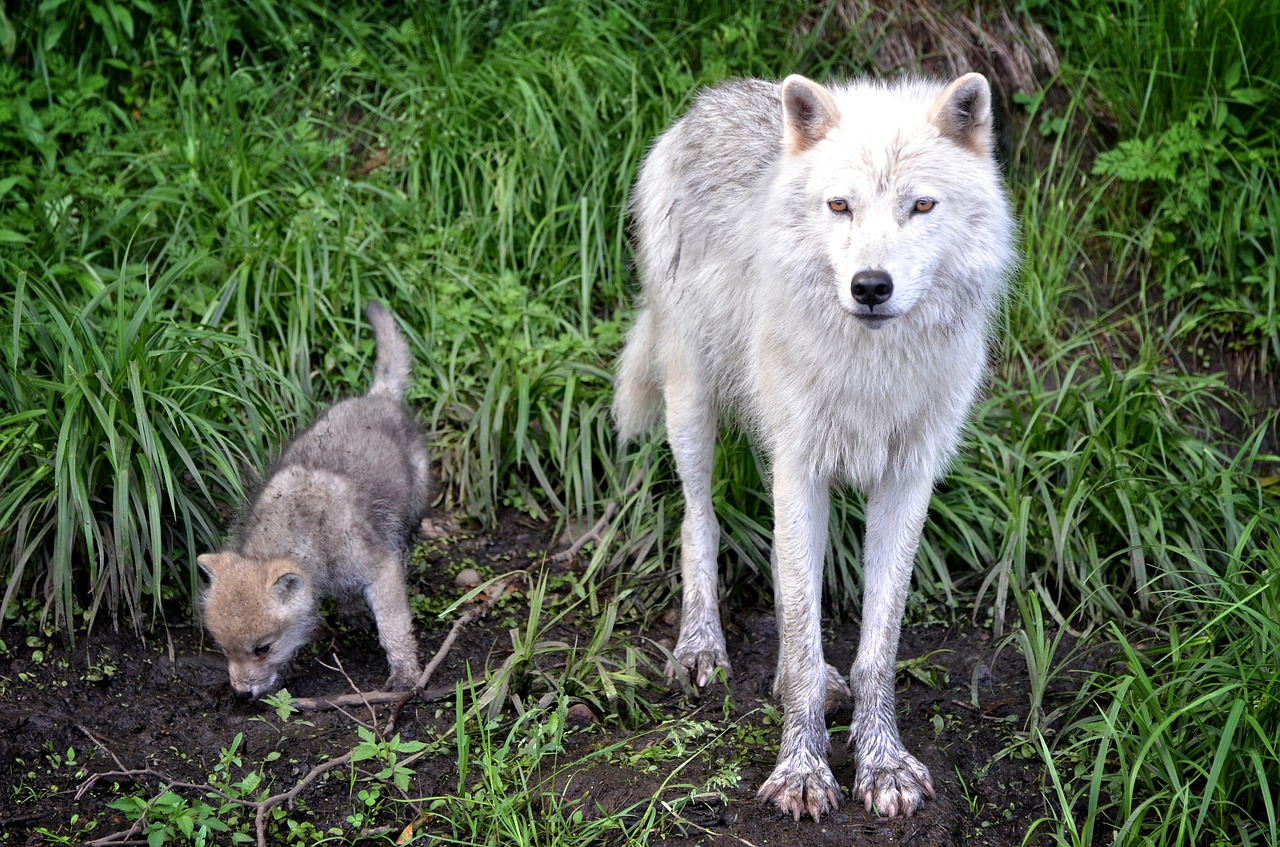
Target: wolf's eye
838, 205
261, 650
924, 204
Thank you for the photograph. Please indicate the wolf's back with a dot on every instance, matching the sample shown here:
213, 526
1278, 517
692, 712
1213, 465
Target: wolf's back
394, 364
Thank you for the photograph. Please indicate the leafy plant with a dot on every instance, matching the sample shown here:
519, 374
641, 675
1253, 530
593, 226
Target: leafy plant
389, 753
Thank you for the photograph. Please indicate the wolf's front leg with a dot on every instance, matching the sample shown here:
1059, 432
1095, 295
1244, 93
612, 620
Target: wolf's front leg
801, 782
691, 431
890, 780
388, 599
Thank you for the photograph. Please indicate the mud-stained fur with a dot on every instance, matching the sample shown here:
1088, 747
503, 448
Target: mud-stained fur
335, 517
823, 265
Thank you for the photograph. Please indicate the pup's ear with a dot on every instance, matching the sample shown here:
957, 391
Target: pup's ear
212, 563
808, 113
963, 112
288, 585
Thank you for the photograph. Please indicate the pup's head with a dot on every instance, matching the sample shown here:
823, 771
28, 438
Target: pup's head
899, 183
259, 613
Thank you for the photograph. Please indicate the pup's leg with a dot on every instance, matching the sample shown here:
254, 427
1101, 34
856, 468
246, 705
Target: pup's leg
890, 780
691, 431
389, 601
801, 782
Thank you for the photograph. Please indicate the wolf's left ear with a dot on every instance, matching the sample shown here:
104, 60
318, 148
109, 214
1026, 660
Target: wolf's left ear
808, 113
963, 112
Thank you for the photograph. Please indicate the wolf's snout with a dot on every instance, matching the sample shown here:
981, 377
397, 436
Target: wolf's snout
246, 694
871, 288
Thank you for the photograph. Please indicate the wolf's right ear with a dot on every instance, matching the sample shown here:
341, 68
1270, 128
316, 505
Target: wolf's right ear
808, 113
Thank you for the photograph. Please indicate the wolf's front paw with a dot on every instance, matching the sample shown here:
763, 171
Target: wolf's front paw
403, 679
799, 791
701, 662
898, 787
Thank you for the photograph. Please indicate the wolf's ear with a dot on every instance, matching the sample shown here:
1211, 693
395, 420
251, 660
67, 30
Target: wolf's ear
211, 563
808, 113
963, 112
287, 582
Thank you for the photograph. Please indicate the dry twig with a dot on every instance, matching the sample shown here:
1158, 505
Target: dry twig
596, 531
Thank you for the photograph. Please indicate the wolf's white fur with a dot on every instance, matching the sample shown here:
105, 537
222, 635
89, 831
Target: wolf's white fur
823, 264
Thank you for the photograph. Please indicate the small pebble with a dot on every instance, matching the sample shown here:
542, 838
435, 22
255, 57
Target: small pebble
467, 578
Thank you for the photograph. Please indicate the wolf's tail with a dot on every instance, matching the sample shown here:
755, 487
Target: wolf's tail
394, 364
637, 393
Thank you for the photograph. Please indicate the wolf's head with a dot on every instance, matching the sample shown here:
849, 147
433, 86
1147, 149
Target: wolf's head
259, 613
894, 192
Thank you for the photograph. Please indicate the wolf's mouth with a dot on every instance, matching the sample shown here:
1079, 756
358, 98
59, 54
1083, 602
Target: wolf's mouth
873, 320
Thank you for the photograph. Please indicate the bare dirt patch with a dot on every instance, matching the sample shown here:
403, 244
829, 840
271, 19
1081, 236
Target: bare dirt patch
114, 703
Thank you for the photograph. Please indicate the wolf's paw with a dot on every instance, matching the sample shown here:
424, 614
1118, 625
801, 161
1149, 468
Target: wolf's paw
898, 787
700, 662
799, 791
838, 691
402, 679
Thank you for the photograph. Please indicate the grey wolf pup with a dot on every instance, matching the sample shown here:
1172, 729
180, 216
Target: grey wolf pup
334, 518
822, 264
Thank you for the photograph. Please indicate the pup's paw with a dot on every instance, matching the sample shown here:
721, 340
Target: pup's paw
799, 791
700, 661
402, 679
898, 787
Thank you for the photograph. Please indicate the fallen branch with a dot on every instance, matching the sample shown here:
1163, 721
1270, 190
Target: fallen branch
597, 531
331, 702
705, 830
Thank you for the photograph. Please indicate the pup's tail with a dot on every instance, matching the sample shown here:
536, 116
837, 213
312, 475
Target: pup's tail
637, 393
394, 364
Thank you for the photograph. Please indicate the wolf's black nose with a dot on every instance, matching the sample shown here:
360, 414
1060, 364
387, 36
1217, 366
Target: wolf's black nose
243, 695
871, 288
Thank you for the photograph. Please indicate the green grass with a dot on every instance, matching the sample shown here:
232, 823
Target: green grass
198, 200
1176, 743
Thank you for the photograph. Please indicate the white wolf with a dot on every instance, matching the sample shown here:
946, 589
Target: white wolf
824, 264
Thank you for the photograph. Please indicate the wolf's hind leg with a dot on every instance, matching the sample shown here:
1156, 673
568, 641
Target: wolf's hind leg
389, 602
691, 431
838, 691
890, 780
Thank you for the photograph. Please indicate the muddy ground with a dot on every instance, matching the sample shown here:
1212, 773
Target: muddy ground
116, 703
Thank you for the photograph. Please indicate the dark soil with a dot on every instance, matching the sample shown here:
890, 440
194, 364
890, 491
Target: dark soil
115, 702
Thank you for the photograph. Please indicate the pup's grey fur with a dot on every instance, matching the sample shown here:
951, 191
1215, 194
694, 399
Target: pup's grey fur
824, 265
334, 518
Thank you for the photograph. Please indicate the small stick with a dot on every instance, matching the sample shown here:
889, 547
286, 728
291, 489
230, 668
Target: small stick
260, 819
341, 702
101, 746
476, 611
705, 830
596, 531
